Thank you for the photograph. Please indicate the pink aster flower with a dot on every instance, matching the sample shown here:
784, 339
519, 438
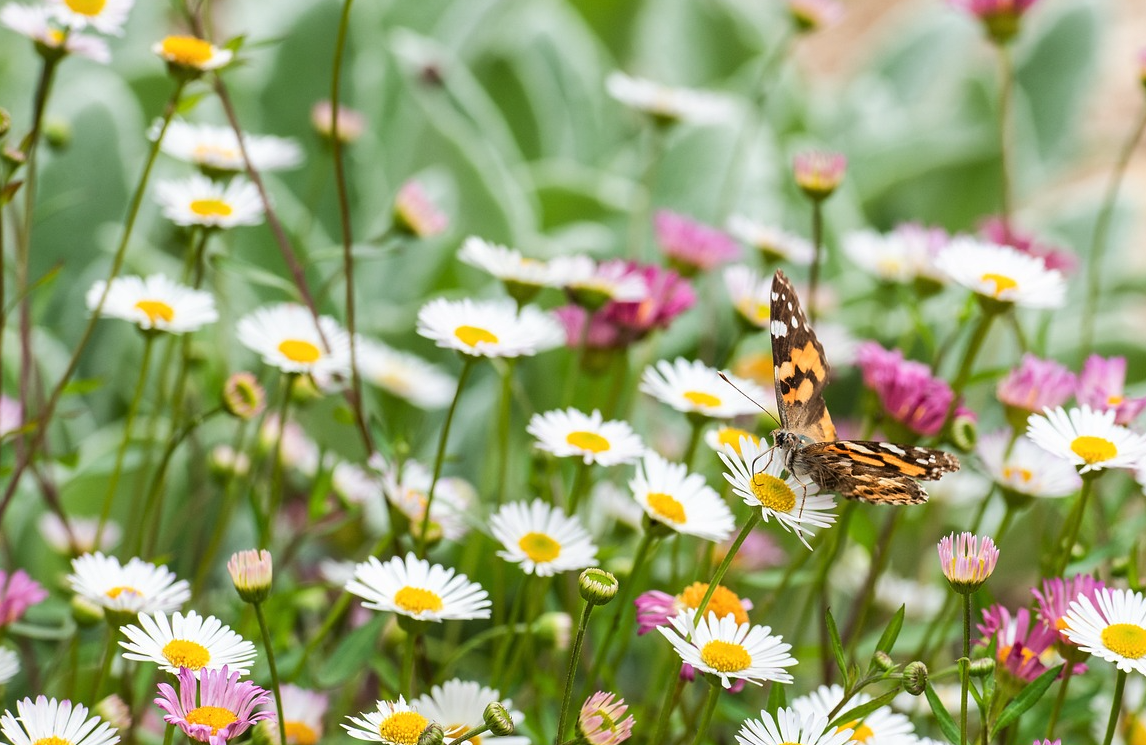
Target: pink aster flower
18, 593
1057, 595
11, 415
654, 608
996, 231
1020, 643
214, 709
692, 246
906, 389
1036, 384
967, 560
416, 214
602, 720
1100, 386
601, 335
1000, 17
818, 173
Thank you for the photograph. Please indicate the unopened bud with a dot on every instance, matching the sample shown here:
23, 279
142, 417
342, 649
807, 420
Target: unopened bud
981, 668
85, 612
554, 628
883, 661
597, 586
115, 712
58, 134
432, 735
243, 397
251, 572
5, 122
965, 432
915, 678
498, 720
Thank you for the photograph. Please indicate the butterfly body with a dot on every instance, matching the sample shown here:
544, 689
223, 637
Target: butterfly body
870, 471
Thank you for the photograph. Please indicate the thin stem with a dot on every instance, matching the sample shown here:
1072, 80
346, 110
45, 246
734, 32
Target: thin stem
709, 710
278, 484
639, 218
169, 734
622, 601
1006, 84
579, 486
266, 632
1115, 707
726, 562
406, 681
571, 672
440, 458
503, 421
336, 612
1067, 674
108, 656
671, 696
1073, 523
978, 335
965, 668
878, 564
697, 424
515, 611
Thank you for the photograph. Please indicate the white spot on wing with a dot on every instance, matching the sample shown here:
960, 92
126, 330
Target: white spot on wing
795, 322
779, 328
894, 449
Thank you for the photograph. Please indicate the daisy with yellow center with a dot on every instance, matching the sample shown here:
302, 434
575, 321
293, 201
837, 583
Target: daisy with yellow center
729, 650
199, 200
303, 711
570, 433
39, 24
392, 723
751, 295
727, 439
406, 486
216, 149
459, 706
1113, 628
287, 337
1002, 274
154, 303
683, 501
762, 483
792, 727
692, 387
667, 104
135, 587
895, 257
190, 641
404, 375
1087, 439
880, 727
412, 587
591, 285
542, 539
1027, 468
775, 244
49, 722
489, 328
522, 276
105, 16
191, 52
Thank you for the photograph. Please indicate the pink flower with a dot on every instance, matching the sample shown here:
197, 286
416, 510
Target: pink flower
815, 14
18, 593
1057, 595
351, 123
818, 173
906, 389
692, 245
669, 296
416, 214
996, 231
1100, 386
967, 560
1036, 384
226, 708
1020, 644
654, 608
602, 334
602, 720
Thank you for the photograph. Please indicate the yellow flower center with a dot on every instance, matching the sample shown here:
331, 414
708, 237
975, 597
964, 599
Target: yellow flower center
1060, 624
860, 731
1093, 449
730, 436
86, 7
187, 50
417, 600
404, 728
156, 310
1126, 639
300, 733
725, 657
755, 312
667, 508
590, 441
456, 730
53, 740
700, 398
539, 547
1002, 282
215, 717
54, 37
1133, 730
722, 602
773, 493
297, 350
888, 266
1025, 474
185, 653
471, 336
115, 592
211, 208
1114, 400
205, 152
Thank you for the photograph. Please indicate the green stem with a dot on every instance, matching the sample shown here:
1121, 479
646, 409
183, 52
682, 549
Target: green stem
965, 668
622, 601
169, 734
105, 666
639, 218
571, 672
328, 624
978, 336
1006, 83
817, 257
726, 562
278, 483
878, 564
709, 710
579, 486
1067, 673
697, 423
440, 458
266, 632
207, 560
672, 695
515, 611
406, 681
503, 422
1115, 707
1073, 523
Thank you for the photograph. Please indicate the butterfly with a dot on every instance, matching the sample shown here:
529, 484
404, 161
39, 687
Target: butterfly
870, 471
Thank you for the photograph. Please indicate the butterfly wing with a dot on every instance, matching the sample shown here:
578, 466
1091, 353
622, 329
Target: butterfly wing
875, 472
801, 369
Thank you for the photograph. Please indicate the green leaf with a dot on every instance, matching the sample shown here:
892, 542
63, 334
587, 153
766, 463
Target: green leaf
861, 711
947, 725
777, 699
44, 633
1025, 700
891, 633
82, 386
837, 645
347, 658
189, 101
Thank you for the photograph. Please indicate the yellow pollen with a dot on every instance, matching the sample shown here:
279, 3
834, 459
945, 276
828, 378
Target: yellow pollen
590, 441
300, 733
1093, 449
404, 728
297, 350
1002, 282
211, 208
215, 717
185, 653
206, 152
773, 492
539, 547
1126, 639
86, 7
722, 602
700, 398
417, 600
1133, 730
667, 508
55, 37
187, 50
889, 266
53, 740
1114, 400
730, 436
1061, 624
725, 657
1010, 472
156, 310
471, 336
115, 592
860, 731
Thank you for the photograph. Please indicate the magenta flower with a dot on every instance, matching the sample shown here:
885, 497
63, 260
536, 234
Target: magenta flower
1000, 17
996, 231
1036, 384
967, 560
1019, 643
602, 720
1100, 386
654, 608
416, 214
818, 173
602, 334
18, 593
906, 389
1057, 595
692, 246
226, 708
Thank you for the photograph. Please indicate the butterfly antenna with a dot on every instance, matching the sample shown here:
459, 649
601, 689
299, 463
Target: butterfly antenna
742, 393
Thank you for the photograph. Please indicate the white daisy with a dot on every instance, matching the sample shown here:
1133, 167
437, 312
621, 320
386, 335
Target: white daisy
192, 52
489, 328
36, 22
694, 388
727, 439
791, 727
683, 501
393, 723
58, 722
751, 295
405, 375
594, 283
154, 303
572, 433
217, 148
459, 706
356, 484
882, 726
199, 200
190, 641
668, 104
79, 536
288, 338
105, 16
727, 650
1027, 468
1088, 439
886, 257
414, 588
303, 711
406, 486
759, 481
1002, 273
541, 538
1114, 631
507, 264
9, 665
135, 587
775, 243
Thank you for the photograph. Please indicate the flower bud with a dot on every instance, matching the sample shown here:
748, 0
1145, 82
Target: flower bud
115, 712
432, 735
915, 678
554, 628
243, 397
5, 122
498, 720
58, 134
351, 123
252, 572
964, 432
883, 661
983, 667
597, 586
85, 612
265, 732
819, 173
